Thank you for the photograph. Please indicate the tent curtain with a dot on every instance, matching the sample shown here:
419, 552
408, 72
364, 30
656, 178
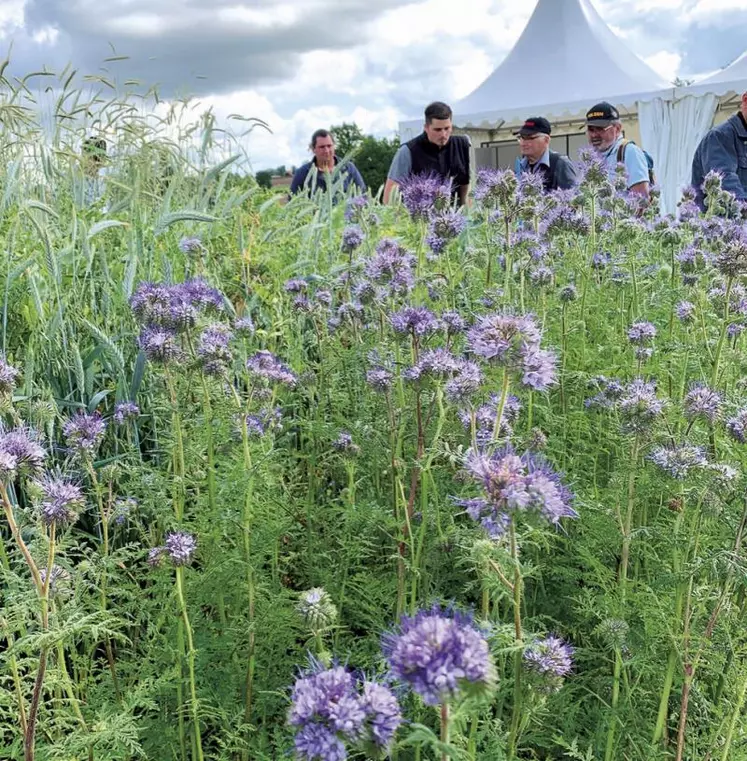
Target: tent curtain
692, 117
670, 132
655, 123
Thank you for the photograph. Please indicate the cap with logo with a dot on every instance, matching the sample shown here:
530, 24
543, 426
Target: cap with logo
534, 125
602, 115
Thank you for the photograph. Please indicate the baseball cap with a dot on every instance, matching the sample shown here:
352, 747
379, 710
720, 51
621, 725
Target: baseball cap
602, 115
533, 125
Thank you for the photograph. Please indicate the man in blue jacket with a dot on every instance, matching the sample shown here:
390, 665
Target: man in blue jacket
557, 171
724, 149
325, 165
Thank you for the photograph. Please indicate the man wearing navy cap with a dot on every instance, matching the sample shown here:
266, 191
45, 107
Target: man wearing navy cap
604, 130
536, 157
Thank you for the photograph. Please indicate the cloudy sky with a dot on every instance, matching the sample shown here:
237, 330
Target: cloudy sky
301, 64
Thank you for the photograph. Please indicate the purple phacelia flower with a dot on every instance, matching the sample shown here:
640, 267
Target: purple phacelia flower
736, 427
379, 378
84, 432
496, 187
352, 237
344, 443
464, 383
61, 501
212, 349
424, 194
23, 451
392, 267
639, 406
418, 321
514, 484
447, 225
503, 338
678, 461
702, 401
453, 322
568, 293
190, 245
539, 369
295, 285
550, 656
160, 345
685, 311
8, 377
180, 546
124, 411
266, 365
244, 326
641, 333
541, 276
439, 654
265, 421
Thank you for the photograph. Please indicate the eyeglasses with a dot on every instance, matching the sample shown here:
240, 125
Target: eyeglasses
529, 137
597, 130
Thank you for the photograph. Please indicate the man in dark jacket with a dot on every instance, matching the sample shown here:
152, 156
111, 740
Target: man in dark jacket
313, 175
556, 169
434, 151
724, 149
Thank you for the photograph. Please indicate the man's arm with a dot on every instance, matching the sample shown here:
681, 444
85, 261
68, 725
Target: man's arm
565, 173
641, 188
464, 195
636, 167
719, 154
400, 168
299, 177
357, 178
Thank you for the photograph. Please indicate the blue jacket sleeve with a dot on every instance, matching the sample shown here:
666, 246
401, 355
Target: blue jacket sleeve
565, 173
720, 153
356, 177
299, 178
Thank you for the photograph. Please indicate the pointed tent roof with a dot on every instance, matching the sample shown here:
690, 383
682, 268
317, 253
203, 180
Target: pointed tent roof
735, 71
730, 79
570, 57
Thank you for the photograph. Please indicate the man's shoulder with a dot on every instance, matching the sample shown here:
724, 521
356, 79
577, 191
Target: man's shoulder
463, 139
303, 169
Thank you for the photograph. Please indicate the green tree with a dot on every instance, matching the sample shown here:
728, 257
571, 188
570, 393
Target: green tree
264, 178
347, 138
373, 158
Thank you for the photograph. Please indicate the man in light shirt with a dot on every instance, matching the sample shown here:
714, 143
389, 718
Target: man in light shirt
604, 130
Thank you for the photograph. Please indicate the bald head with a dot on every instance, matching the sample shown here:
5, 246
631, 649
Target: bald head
743, 107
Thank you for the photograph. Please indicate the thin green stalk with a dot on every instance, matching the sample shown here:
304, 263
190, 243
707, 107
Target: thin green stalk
735, 719
445, 728
722, 335
501, 405
191, 653
513, 737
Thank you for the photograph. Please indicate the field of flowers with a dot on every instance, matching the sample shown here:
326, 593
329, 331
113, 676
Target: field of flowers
348, 481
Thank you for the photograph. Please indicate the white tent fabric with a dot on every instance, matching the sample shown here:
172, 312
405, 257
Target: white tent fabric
571, 58
732, 78
671, 131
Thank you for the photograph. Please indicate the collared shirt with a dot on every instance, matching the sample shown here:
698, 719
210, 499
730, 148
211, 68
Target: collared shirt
310, 178
636, 166
565, 172
724, 150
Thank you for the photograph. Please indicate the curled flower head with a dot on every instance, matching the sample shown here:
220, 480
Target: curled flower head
453, 322
160, 345
380, 378
344, 443
549, 657
61, 501
639, 406
464, 382
678, 461
352, 237
84, 432
316, 608
391, 267
124, 411
180, 546
503, 338
190, 245
439, 654
22, 450
8, 377
59, 578
212, 349
568, 293
641, 333
244, 326
418, 321
704, 402
424, 194
447, 225
736, 427
685, 311
266, 365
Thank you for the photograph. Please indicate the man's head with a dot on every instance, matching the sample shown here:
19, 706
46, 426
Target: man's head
438, 123
323, 147
743, 105
603, 126
534, 138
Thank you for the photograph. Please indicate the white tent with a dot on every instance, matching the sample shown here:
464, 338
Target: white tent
566, 60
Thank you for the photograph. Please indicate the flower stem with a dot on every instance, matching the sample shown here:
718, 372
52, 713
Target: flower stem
445, 721
722, 335
513, 737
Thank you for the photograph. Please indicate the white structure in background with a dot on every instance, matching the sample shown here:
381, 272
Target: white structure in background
566, 60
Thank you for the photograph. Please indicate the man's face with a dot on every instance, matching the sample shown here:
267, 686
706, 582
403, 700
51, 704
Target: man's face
324, 151
743, 107
439, 131
601, 138
533, 146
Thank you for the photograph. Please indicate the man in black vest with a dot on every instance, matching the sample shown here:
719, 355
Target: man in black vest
536, 157
435, 151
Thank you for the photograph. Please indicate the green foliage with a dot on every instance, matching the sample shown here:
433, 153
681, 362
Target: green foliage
264, 179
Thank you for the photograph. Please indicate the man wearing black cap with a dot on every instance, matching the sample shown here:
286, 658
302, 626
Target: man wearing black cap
536, 157
604, 130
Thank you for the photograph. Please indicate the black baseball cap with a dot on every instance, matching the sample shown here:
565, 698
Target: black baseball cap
533, 125
602, 115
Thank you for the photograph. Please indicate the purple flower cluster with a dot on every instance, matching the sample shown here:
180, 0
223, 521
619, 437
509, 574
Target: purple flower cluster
329, 708
418, 321
550, 656
190, 245
685, 311
20, 452
179, 547
496, 187
439, 653
244, 326
701, 401
160, 345
379, 378
263, 422
678, 461
512, 341
641, 333
8, 377
212, 349
84, 432
61, 501
352, 237
639, 406
174, 307
344, 443
736, 427
264, 364
485, 416
124, 411
513, 484
445, 226
610, 392
424, 194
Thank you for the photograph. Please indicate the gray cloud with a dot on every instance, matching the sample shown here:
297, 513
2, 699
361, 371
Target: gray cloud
185, 45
